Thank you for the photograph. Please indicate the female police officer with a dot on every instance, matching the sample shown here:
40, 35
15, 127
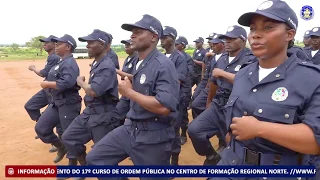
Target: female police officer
269, 102
66, 101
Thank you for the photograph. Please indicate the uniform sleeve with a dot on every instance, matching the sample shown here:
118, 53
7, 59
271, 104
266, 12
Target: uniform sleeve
312, 114
115, 60
190, 64
302, 55
68, 76
212, 79
182, 69
103, 81
52, 61
167, 87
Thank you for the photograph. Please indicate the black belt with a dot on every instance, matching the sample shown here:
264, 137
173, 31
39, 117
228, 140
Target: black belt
146, 124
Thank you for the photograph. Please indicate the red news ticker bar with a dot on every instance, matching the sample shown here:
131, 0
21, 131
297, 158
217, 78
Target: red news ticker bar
30, 171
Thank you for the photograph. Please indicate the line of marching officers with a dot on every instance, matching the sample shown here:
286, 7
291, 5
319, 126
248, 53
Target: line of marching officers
235, 87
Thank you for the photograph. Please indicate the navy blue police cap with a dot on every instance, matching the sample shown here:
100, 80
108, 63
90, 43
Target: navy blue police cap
96, 35
315, 31
126, 41
48, 39
182, 40
148, 23
211, 35
274, 9
199, 40
235, 32
215, 39
170, 31
66, 39
307, 34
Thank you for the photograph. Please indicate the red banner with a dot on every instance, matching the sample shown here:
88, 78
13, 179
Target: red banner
30, 171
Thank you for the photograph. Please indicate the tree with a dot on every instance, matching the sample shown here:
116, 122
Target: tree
35, 43
14, 47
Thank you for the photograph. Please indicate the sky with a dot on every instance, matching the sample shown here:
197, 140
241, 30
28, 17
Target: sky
23, 19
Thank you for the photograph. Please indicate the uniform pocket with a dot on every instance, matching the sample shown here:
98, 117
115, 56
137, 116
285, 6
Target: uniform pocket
275, 113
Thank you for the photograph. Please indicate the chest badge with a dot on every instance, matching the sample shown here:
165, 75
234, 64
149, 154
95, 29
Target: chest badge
199, 54
237, 68
130, 65
280, 94
143, 78
56, 68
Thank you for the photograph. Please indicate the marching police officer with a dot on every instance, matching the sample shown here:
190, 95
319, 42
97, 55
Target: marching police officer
212, 121
123, 105
181, 43
313, 52
101, 98
307, 40
61, 83
168, 43
111, 54
43, 98
198, 55
269, 100
148, 131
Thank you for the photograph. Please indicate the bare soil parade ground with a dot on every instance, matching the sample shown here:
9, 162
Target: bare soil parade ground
18, 146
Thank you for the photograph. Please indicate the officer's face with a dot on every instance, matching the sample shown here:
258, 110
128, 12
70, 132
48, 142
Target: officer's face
217, 48
199, 45
307, 42
269, 38
210, 45
62, 48
233, 44
142, 39
180, 47
166, 42
315, 42
95, 48
128, 49
48, 46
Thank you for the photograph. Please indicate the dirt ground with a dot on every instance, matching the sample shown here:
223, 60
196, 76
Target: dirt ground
18, 146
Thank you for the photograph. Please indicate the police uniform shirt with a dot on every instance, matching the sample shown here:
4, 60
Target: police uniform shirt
155, 76
114, 57
103, 81
313, 56
189, 63
52, 60
65, 75
280, 97
129, 62
179, 62
198, 55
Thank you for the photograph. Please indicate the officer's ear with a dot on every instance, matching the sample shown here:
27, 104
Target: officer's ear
290, 35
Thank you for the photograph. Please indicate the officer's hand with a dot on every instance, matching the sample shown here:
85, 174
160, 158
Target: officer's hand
125, 86
216, 73
245, 127
43, 84
209, 54
32, 67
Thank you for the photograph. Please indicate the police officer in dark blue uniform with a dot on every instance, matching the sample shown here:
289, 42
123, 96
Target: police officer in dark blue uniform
168, 43
181, 43
148, 131
198, 56
66, 101
123, 105
298, 51
269, 100
43, 98
199, 103
212, 121
307, 40
113, 55
101, 98
313, 52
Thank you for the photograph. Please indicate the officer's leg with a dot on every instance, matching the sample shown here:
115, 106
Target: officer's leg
44, 129
33, 106
67, 113
185, 120
201, 129
199, 104
111, 149
123, 108
59, 131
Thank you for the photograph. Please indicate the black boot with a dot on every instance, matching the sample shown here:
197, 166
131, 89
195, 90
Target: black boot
72, 162
53, 149
61, 151
183, 136
175, 159
82, 161
212, 159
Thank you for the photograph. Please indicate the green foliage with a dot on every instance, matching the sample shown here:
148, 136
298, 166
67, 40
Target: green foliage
36, 44
14, 47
